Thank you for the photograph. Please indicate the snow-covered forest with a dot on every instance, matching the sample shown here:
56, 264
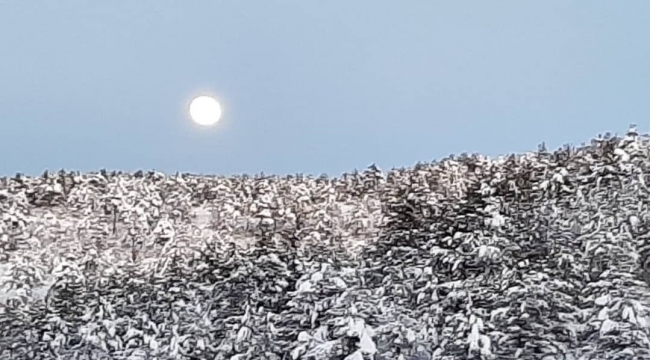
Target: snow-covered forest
542, 255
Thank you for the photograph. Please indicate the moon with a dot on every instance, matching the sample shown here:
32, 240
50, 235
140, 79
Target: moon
205, 110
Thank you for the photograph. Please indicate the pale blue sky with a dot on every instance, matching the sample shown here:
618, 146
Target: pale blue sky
312, 86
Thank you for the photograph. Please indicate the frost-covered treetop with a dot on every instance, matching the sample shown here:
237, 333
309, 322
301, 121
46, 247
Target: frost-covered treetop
535, 255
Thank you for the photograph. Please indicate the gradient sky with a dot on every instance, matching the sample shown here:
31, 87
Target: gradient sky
312, 86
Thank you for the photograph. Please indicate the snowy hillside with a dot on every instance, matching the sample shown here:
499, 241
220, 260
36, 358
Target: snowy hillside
541, 255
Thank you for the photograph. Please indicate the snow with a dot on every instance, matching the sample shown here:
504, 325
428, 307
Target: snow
462, 258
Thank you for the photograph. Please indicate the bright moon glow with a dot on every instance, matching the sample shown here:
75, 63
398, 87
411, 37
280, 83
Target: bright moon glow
205, 110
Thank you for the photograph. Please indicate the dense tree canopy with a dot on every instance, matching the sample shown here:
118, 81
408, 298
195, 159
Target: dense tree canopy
537, 255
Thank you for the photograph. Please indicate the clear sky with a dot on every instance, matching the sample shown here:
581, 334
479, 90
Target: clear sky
312, 86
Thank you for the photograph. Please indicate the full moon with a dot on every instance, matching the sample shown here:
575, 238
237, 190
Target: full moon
205, 110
